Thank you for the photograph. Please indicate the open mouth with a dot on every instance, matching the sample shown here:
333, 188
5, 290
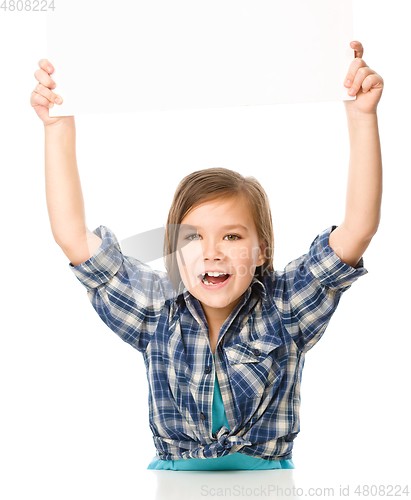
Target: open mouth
213, 279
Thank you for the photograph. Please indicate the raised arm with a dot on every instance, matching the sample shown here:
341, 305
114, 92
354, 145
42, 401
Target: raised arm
364, 187
65, 203
64, 196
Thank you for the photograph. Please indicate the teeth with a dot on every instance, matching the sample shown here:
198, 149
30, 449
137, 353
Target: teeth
214, 274
205, 280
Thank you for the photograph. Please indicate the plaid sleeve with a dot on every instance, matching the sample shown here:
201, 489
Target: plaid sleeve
127, 294
312, 286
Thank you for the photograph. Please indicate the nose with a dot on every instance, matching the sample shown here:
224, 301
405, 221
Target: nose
212, 250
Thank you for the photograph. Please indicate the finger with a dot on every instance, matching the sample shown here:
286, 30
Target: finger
46, 65
358, 48
42, 74
352, 71
372, 81
37, 99
47, 93
361, 75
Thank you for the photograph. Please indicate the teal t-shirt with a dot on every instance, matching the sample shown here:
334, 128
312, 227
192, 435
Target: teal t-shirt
235, 461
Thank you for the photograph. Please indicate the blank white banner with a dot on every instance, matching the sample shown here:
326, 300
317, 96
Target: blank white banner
135, 55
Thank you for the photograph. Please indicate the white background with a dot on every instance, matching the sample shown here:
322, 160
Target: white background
74, 411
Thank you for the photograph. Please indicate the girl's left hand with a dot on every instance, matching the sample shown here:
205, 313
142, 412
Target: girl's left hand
365, 83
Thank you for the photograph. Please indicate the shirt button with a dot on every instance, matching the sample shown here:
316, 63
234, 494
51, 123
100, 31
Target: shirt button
207, 369
256, 352
202, 416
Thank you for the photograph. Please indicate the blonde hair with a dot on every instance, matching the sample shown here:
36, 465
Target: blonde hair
212, 184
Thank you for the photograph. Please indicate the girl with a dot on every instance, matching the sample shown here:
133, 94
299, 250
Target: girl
223, 335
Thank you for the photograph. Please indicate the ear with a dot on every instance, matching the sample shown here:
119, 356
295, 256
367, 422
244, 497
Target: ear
262, 258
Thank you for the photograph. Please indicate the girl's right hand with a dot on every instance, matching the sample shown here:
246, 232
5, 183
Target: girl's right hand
42, 98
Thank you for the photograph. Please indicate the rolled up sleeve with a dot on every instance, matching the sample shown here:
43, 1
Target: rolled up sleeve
327, 267
312, 288
104, 264
126, 293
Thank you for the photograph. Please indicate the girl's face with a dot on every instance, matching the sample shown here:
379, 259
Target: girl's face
219, 236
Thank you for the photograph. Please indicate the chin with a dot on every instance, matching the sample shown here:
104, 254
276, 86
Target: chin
218, 302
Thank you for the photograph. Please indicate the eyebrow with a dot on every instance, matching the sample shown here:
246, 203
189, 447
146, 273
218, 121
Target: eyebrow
230, 226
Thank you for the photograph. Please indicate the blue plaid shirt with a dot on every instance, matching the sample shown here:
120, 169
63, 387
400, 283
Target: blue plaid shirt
260, 354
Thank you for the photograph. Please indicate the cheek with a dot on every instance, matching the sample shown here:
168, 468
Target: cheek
188, 255
246, 262
256, 254
234, 253
245, 255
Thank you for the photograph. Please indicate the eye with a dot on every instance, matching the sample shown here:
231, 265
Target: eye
235, 236
190, 236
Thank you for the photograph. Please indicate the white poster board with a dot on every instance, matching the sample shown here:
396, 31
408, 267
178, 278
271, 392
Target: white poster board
134, 55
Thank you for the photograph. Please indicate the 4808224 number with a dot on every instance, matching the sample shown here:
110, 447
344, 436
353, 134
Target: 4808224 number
27, 5
381, 490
